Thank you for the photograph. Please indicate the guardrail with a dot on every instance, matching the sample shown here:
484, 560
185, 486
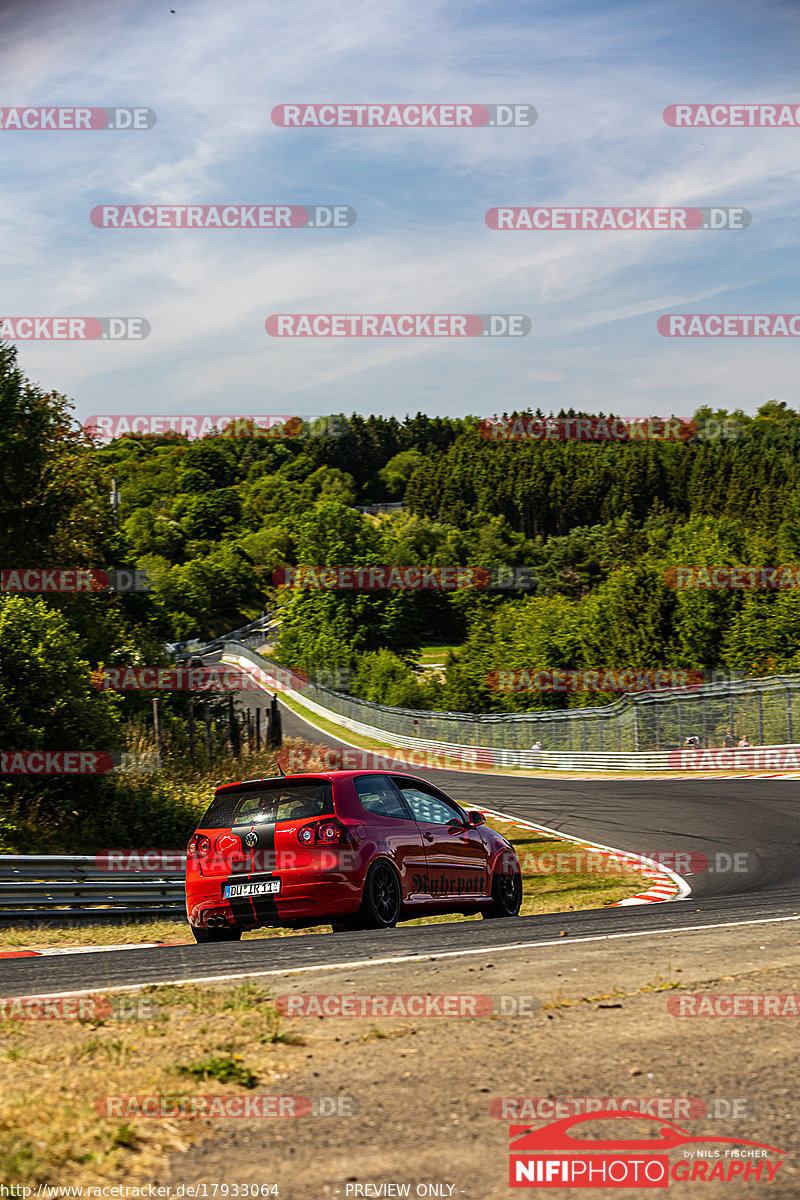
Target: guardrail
65, 886
647, 722
487, 753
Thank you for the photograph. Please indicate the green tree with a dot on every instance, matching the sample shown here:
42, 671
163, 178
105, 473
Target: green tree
51, 486
47, 701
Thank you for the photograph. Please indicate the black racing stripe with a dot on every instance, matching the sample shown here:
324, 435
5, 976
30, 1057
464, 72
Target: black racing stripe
255, 909
249, 909
265, 843
265, 908
242, 909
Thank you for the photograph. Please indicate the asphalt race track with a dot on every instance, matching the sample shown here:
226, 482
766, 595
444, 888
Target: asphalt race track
757, 820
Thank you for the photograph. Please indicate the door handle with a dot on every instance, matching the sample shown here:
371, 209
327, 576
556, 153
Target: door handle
428, 837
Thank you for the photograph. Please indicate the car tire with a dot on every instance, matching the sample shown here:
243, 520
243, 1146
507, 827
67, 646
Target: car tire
216, 935
382, 899
506, 895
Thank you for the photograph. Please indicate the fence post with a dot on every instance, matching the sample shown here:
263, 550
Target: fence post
233, 729
258, 729
760, 718
209, 737
190, 728
274, 729
789, 730
158, 729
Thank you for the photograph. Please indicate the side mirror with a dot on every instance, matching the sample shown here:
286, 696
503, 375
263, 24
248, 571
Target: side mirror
475, 818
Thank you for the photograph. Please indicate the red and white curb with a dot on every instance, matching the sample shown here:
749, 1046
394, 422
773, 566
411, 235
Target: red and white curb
85, 949
666, 885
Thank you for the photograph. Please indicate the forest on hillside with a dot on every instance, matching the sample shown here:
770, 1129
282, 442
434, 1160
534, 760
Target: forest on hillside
599, 525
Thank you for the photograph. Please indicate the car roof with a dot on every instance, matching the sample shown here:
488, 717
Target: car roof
315, 777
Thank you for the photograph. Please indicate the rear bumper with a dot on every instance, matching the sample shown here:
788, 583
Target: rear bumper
307, 899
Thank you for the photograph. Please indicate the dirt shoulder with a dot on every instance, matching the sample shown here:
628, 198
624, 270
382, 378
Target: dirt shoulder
413, 1099
427, 1088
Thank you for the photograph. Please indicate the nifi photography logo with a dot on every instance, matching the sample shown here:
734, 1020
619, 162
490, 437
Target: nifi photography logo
555, 1157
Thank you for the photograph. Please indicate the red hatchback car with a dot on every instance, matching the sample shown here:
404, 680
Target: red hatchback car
351, 849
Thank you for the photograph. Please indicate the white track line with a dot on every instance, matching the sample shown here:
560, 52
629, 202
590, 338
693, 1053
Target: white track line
404, 958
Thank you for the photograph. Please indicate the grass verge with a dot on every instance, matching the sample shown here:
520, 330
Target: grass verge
174, 1042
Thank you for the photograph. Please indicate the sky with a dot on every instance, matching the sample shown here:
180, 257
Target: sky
599, 76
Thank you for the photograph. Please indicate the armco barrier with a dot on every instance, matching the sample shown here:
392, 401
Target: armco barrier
54, 887
325, 703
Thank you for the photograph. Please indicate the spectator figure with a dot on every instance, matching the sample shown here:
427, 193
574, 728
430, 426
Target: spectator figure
743, 742
730, 739
536, 746
692, 742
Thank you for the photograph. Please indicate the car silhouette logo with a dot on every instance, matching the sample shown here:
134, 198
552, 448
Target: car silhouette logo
555, 1136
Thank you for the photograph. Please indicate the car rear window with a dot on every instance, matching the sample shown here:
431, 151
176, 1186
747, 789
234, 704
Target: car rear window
274, 802
379, 797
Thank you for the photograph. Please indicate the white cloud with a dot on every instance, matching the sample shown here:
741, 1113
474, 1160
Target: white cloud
599, 79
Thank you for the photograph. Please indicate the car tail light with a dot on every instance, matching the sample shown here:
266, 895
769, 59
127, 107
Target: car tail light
323, 833
199, 847
331, 832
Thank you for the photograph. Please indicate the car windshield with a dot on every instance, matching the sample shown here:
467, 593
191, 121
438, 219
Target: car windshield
273, 802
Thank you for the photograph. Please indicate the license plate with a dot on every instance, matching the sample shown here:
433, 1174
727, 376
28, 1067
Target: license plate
268, 888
